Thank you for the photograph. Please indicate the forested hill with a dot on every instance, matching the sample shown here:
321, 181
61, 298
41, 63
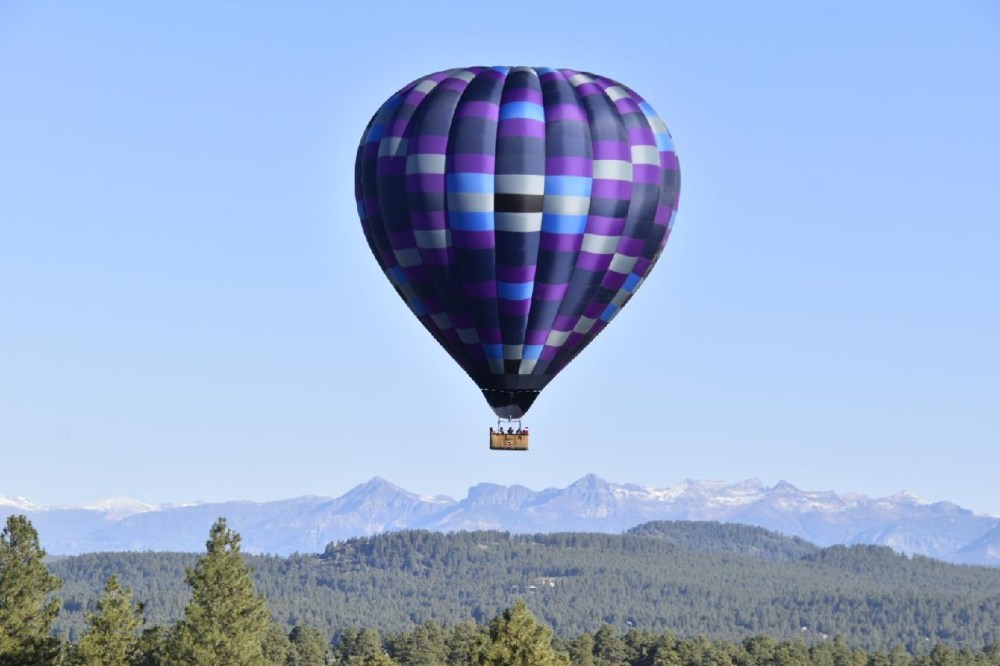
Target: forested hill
722, 581
712, 537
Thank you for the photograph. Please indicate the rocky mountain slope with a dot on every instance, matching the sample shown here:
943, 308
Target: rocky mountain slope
307, 524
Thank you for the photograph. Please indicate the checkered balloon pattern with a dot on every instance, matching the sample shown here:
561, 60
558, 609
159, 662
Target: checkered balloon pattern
516, 210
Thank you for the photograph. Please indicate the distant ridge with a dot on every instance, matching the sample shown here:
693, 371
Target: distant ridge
903, 522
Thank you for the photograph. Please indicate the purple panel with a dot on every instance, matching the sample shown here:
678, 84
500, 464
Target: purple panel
662, 217
521, 127
611, 189
523, 95
613, 280
564, 323
390, 166
646, 173
631, 247
668, 160
398, 127
605, 226
565, 112
480, 289
561, 242
425, 182
516, 273
569, 166
514, 308
473, 163
532, 337
627, 105
402, 240
428, 143
612, 150
549, 292
490, 336
416, 273
596, 263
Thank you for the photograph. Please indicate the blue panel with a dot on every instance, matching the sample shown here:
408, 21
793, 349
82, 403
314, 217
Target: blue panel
398, 275
609, 312
493, 351
564, 224
470, 182
630, 282
515, 291
663, 142
471, 221
375, 133
531, 352
393, 102
579, 186
528, 110
418, 307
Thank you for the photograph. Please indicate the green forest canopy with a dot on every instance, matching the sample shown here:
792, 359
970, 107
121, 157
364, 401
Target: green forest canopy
725, 582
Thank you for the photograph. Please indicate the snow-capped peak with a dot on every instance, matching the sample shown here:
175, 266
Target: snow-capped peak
905, 497
20, 503
119, 507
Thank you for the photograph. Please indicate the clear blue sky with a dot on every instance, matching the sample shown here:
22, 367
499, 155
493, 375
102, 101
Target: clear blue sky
188, 309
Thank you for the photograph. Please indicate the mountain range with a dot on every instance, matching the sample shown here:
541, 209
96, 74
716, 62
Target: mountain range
903, 522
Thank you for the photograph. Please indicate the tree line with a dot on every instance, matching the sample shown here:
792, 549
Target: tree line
722, 581
227, 621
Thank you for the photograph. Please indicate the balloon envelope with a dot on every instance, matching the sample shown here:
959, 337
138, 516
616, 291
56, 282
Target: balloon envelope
516, 210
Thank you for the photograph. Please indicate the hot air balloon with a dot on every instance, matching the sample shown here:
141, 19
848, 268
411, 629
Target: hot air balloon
516, 210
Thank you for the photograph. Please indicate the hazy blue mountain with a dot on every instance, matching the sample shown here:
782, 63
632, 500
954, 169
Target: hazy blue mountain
903, 522
984, 550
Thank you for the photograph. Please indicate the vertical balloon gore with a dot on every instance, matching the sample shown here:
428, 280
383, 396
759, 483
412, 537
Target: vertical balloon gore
516, 210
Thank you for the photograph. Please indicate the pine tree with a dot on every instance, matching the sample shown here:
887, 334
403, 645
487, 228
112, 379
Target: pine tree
277, 647
310, 647
153, 647
464, 642
25, 584
581, 650
517, 638
226, 622
112, 635
424, 646
362, 648
609, 648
